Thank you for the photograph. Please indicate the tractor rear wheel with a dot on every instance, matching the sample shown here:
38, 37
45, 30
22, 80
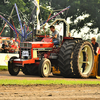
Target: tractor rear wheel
76, 59
64, 58
12, 68
44, 67
83, 59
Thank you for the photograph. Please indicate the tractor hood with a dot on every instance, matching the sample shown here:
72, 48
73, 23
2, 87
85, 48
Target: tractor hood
45, 43
36, 44
42, 44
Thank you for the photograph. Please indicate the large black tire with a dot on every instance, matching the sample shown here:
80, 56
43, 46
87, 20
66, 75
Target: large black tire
83, 59
25, 70
44, 68
69, 59
64, 58
13, 70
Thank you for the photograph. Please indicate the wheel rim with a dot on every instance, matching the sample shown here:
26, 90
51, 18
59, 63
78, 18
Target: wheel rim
16, 69
46, 68
88, 62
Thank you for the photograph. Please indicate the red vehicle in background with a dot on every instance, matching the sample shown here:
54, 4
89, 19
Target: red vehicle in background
99, 51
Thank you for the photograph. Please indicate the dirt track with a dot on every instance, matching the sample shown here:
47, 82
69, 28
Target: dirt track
6, 75
50, 92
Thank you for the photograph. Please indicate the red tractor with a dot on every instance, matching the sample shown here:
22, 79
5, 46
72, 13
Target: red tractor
73, 57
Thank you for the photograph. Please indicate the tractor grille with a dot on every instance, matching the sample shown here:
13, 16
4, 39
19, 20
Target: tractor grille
25, 45
26, 53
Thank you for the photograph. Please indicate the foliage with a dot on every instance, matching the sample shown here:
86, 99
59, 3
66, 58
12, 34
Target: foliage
24, 7
78, 8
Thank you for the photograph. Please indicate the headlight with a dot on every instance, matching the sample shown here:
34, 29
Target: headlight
34, 53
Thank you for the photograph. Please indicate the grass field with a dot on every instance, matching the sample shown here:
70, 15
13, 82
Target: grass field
3, 67
47, 82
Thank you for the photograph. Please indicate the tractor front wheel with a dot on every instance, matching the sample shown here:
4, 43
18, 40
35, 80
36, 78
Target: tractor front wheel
44, 68
12, 68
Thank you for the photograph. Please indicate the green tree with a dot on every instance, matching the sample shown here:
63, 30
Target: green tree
80, 8
24, 7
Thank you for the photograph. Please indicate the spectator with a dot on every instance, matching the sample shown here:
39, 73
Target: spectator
11, 50
18, 41
5, 47
95, 45
15, 47
11, 40
1, 45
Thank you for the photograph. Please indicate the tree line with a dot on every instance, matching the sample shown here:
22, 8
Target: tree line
78, 8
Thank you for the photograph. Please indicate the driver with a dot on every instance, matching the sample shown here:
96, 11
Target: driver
55, 35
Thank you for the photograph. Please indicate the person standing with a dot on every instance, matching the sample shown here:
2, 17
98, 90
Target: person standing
95, 45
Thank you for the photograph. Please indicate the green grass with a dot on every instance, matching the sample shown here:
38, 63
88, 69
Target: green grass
47, 82
3, 67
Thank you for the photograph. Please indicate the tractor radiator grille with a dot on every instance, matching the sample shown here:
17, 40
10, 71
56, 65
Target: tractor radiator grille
25, 53
25, 45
